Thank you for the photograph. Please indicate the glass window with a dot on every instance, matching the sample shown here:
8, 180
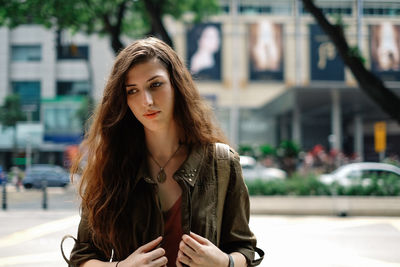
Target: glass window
65, 88
354, 174
379, 11
26, 53
29, 92
61, 118
73, 52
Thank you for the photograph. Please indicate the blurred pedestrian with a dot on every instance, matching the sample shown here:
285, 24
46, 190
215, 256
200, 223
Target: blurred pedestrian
16, 176
2, 176
152, 185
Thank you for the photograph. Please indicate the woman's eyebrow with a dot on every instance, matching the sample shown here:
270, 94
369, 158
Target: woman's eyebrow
152, 78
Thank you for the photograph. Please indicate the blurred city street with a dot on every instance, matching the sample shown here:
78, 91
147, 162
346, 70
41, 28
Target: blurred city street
307, 92
30, 236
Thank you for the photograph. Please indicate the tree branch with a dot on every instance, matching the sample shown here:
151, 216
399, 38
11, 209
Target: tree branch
388, 101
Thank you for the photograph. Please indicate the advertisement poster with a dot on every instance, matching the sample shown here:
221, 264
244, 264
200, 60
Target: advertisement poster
265, 51
385, 50
204, 51
326, 63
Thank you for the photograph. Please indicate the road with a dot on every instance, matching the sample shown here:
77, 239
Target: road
30, 236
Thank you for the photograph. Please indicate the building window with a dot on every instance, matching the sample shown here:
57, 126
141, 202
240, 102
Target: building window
73, 51
29, 92
62, 123
66, 88
333, 11
26, 53
379, 11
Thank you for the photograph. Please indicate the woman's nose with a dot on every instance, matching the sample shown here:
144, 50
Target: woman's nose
148, 98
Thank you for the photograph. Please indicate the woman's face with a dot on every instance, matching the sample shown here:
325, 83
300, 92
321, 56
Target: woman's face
150, 95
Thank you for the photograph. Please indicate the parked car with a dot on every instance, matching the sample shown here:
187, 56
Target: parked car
253, 170
55, 176
360, 173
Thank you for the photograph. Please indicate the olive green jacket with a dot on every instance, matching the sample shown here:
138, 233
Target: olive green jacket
215, 209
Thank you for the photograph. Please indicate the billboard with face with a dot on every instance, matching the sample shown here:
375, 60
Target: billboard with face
204, 51
265, 51
385, 50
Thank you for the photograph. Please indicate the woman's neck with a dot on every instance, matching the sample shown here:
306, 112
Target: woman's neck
162, 144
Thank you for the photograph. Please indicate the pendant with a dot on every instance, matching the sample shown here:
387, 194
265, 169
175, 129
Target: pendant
162, 176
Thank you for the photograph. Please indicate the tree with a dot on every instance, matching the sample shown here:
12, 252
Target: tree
287, 153
134, 18
375, 89
85, 111
11, 113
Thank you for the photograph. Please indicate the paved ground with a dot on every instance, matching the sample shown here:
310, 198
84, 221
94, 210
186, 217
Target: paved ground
328, 241
31, 238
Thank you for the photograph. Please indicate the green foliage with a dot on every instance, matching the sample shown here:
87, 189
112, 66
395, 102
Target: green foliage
288, 148
311, 186
356, 53
268, 188
99, 16
373, 186
11, 112
246, 150
338, 18
296, 186
267, 150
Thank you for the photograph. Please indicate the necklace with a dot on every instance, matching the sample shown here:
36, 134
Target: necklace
162, 176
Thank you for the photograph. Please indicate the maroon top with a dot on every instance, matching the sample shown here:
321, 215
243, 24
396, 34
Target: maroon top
172, 232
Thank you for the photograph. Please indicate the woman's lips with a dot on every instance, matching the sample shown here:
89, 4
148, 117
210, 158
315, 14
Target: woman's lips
151, 115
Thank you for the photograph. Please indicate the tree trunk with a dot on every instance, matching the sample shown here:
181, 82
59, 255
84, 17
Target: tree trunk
157, 26
115, 30
388, 101
116, 43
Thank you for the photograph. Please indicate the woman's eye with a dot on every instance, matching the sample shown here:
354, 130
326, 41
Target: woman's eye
131, 91
155, 84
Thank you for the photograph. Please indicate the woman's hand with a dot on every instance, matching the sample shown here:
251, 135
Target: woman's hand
197, 251
146, 256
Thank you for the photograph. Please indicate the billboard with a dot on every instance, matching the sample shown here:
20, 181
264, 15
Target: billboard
204, 51
265, 51
325, 62
385, 50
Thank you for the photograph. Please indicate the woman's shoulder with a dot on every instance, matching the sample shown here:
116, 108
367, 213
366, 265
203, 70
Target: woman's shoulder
225, 151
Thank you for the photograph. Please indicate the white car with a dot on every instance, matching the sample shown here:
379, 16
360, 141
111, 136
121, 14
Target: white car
359, 173
252, 170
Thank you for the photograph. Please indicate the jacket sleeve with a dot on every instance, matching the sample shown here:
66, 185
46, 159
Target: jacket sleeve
84, 249
236, 235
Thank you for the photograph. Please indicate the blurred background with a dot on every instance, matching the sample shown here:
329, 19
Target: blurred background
310, 113
274, 78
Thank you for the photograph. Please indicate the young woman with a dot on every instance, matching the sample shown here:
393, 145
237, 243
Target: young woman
149, 186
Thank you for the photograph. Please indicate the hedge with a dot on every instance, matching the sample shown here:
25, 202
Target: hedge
311, 186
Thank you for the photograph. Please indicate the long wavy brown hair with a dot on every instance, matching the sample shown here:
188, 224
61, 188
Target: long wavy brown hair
114, 145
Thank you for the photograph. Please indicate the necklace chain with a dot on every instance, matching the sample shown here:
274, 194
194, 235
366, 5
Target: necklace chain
161, 176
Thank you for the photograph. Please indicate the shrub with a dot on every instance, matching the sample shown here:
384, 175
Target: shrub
310, 186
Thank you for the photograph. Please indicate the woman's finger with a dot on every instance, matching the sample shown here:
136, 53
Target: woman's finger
155, 254
159, 262
187, 250
199, 238
177, 263
191, 242
182, 258
149, 246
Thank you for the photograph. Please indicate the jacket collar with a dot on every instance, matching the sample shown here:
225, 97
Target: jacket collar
188, 171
